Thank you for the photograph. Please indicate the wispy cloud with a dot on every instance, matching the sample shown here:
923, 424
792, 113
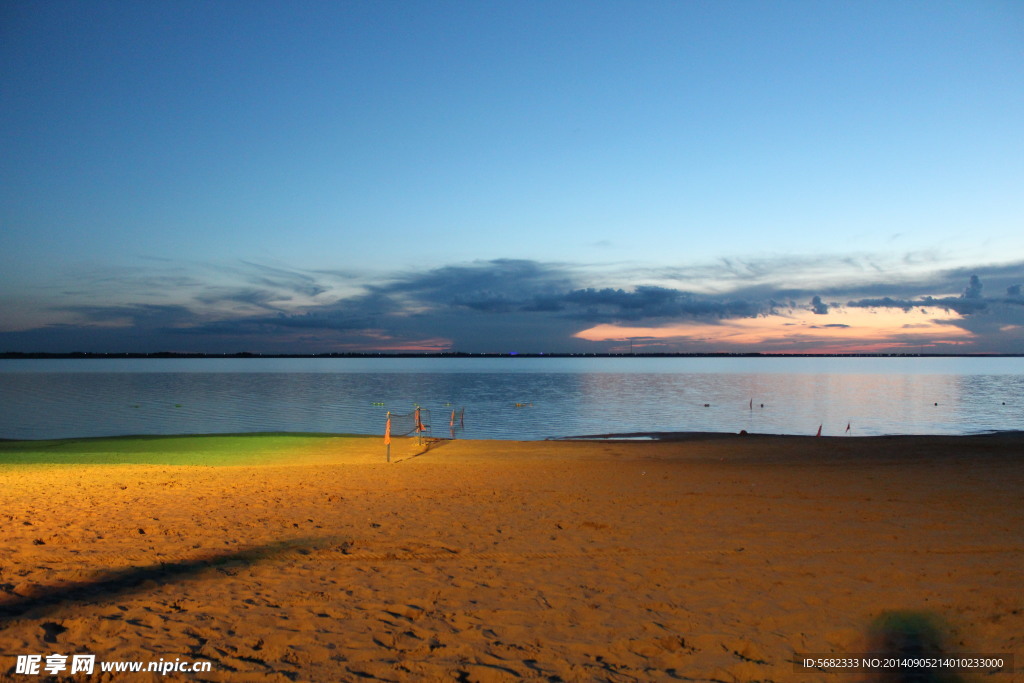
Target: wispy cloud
245, 296
797, 273
282, 279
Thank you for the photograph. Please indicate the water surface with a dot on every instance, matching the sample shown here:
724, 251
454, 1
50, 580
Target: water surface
557, 397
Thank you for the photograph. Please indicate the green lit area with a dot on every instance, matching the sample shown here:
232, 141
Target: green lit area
204, 449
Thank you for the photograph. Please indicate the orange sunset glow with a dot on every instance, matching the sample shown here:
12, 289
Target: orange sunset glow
838, 331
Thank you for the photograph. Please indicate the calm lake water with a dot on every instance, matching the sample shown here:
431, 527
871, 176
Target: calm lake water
41, 399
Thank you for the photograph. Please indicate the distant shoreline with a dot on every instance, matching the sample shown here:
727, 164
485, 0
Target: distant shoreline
649, 437
707, 436
79, 355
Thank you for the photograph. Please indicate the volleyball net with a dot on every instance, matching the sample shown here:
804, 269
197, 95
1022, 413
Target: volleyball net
416, 422
419, 422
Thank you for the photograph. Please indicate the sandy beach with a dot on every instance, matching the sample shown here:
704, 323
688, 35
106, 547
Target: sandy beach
697, 559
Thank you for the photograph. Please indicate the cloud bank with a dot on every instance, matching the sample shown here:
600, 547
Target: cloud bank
503, 305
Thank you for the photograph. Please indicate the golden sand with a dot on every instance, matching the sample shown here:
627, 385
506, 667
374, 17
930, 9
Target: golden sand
700, 560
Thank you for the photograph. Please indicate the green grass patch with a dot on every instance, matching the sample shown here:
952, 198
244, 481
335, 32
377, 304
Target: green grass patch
201, 449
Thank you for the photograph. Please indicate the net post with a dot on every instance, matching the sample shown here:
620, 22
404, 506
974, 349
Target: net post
419, 427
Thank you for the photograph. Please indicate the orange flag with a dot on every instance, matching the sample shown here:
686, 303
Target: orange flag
387, 430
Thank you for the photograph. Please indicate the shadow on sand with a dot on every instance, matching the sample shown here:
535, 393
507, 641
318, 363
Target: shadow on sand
429, 444
46, 600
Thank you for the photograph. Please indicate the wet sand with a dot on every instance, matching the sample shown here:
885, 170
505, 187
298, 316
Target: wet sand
698, 559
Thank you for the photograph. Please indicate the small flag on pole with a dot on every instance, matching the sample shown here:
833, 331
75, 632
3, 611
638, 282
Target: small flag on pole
847, 427
387, 430
819, 431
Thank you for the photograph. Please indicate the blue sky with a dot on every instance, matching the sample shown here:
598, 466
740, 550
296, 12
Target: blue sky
531, 176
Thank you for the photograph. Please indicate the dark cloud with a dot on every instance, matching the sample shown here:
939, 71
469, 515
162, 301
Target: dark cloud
818, 306
961, 305
497, 286
505, 286
969, 303
650, 303
974, 288
270, 324
885, 302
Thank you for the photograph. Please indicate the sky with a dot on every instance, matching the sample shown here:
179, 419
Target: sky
529, 176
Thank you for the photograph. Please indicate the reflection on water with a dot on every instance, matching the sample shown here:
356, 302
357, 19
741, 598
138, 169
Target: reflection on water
93, 398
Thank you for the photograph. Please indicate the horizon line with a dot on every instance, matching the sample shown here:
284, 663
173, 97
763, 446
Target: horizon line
42, 355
